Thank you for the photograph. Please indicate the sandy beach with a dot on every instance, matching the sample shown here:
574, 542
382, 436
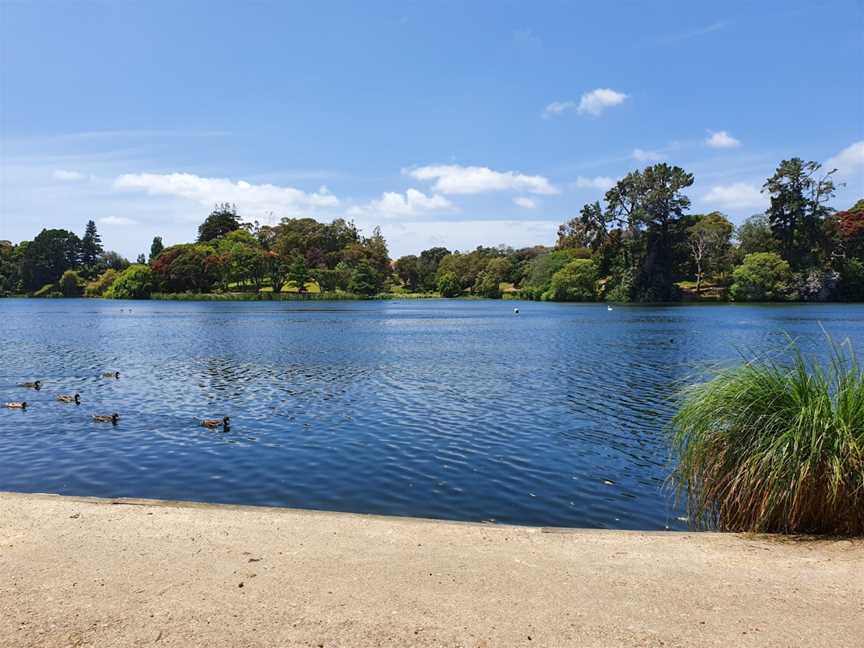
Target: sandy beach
92, 572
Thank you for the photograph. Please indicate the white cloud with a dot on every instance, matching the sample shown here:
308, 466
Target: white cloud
251, 199
558, 107
411, 203
738, 195
596, 101
68, 176
603, 183
457, 179
590, 103
849, 162
117, 220
721, 140
647, 156
526, 203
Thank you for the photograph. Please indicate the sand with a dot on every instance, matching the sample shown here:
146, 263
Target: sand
90, 572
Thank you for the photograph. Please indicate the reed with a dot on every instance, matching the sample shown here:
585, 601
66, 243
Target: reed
775, 446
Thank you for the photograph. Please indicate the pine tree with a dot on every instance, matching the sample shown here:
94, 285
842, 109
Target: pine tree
91, 248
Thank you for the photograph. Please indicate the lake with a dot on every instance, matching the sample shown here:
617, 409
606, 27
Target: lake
435, 408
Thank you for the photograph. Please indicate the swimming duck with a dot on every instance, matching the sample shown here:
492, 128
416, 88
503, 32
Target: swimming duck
21, 406
63, 398
106, 418
111, 374
215, 423
36, 384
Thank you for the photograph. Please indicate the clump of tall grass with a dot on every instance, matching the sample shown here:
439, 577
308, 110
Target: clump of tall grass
775, 446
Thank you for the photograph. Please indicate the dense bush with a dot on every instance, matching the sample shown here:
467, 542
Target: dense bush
574, 282
71, 284
763, 276
48, 290
135, 282
487, 285
102, 284
775, 447
449, 285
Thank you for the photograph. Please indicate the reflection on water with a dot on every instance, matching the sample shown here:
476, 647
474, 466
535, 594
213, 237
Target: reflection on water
448, 409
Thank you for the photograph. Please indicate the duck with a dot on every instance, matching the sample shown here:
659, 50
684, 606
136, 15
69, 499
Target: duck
106, 418
36, 384
64, 398
224, 422
22, 405
111, 374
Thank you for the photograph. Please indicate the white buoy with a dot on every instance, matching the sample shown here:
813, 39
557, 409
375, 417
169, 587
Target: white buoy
516, 310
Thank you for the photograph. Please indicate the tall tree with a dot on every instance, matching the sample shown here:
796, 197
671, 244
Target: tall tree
48, 256
408, 271
647, 203
222, 220
709, 244
755, 235
156, 247
91, 248
799, 193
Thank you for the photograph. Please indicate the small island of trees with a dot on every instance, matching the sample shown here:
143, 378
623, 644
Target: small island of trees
639, 244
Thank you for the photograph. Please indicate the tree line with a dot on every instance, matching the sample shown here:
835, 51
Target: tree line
639, 244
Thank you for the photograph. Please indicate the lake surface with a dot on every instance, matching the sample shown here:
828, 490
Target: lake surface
447, 409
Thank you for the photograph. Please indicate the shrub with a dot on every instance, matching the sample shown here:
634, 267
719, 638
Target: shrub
136, 282
48, 290
775, 447
574, 282
449, 285
487, 285
71, 284
102, 284
540, 269
365, 280
763, 276
852, 280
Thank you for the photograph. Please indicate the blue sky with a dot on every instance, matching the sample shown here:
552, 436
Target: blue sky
446, 123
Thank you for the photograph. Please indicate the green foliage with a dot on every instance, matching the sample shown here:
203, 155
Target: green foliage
222, 220
775, 447
99, 287
113, 260
190, 267
449, 284
90, 249
135, 282
798, 208
763, 276
487, 284
574, 282
852, 280
408, 270
539, 272
48, 256
48, 290
71, 284
427, 268
365, 280
156, 247
298, 274
755, 235
709, 244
